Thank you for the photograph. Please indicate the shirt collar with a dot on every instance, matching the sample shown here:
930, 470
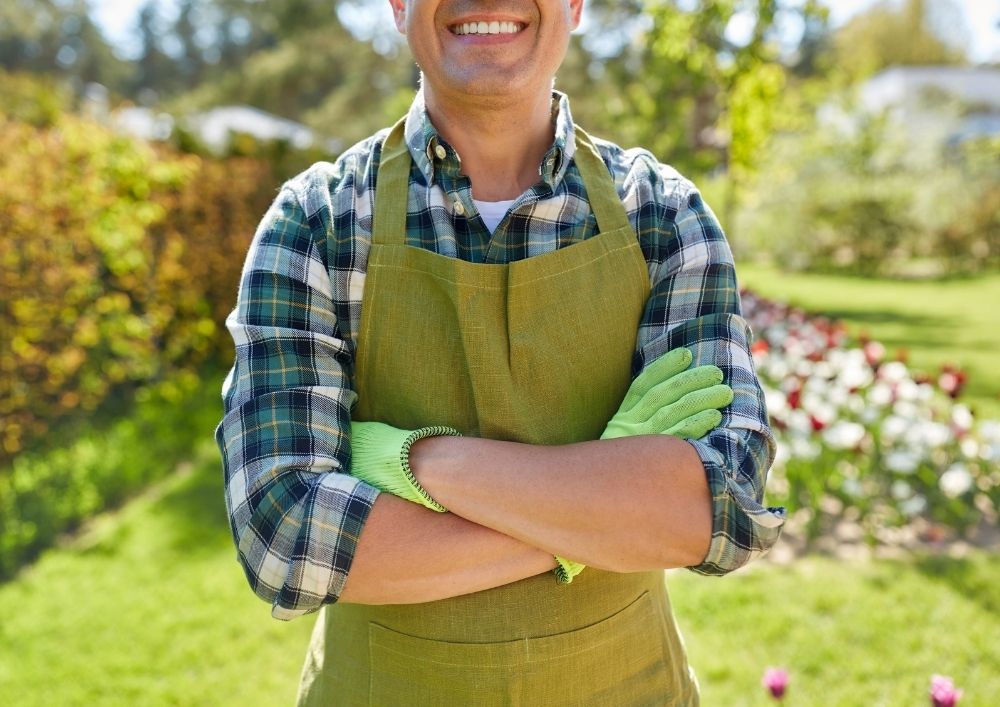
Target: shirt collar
433, 155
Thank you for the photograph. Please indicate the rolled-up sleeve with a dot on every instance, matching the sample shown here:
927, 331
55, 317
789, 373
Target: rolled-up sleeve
294, 515
695, 302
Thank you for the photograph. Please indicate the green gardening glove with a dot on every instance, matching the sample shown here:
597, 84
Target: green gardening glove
380, 456
567, 570
669, 398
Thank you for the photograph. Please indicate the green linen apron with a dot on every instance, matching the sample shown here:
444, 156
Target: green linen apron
536, 351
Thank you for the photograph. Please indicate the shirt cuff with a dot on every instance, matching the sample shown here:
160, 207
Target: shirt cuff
742, 528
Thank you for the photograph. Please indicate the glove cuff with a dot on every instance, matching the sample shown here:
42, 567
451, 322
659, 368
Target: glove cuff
381, 457
404, 460
567, 570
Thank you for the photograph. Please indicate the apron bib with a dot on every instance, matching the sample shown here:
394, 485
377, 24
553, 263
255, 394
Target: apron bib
536, 351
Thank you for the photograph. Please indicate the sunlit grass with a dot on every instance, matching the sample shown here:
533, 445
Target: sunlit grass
933, 322
850, 634
149, 607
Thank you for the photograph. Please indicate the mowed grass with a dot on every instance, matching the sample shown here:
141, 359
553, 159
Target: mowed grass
933, 322
149, 607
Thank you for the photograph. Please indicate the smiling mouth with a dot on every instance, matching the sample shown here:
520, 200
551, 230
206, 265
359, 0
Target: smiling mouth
479, 28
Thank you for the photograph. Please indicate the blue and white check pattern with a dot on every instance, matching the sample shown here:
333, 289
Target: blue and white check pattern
295, 512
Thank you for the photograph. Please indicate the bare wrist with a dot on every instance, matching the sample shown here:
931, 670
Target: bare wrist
428, 461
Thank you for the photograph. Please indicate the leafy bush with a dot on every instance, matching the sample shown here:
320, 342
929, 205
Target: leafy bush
876, 199
118, 262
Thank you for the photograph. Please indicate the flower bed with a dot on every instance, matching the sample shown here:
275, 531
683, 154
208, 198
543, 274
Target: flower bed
862, 438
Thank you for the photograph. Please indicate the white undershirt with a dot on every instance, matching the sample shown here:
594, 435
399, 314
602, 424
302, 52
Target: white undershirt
492, 212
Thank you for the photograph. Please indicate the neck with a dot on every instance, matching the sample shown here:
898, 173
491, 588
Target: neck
501, 142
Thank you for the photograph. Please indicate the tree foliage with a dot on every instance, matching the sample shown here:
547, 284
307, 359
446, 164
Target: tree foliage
891, 34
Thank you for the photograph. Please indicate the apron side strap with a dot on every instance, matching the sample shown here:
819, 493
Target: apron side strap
392, 188
601, 192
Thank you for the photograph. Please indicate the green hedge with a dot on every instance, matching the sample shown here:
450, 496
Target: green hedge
118, 263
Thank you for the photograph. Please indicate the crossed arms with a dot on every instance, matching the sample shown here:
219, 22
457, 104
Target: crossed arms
303, 525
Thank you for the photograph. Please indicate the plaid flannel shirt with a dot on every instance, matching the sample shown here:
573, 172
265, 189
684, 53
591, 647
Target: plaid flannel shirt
295, 512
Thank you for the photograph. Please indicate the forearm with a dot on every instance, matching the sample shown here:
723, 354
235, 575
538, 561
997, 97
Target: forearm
408, 554
629, 504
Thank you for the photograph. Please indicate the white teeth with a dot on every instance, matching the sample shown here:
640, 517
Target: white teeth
487, 28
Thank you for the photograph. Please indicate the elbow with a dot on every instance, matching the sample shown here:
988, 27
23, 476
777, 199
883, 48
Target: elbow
266, 535
276, 587
742, 529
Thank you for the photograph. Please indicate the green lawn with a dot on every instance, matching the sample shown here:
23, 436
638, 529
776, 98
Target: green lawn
148, 607
955, 321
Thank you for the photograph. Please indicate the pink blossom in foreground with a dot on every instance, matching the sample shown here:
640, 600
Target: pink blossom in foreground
943, 692
776, 681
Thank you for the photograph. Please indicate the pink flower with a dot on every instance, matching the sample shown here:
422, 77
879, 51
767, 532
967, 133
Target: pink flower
943, 692
775, 680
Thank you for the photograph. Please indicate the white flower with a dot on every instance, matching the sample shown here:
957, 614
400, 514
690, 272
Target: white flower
913, 506
893, 372
955, 481
929, 434
989, 431
856, 372
901, 490
800, 422
781, 456
803, 448
844, 435
823, 369
906, 409
902, 461
804, 368
869, 415
961, 417
969, 447
852, 487
776, 402
838, 395
776, 368
907, 390
894, 427
880, 394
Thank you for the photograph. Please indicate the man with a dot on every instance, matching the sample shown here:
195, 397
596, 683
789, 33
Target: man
448, 318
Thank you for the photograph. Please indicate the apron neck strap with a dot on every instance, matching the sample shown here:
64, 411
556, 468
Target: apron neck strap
391, 188
601, 193
393, 181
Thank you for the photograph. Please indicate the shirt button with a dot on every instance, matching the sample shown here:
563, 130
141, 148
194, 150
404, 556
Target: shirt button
459, 209
440, 152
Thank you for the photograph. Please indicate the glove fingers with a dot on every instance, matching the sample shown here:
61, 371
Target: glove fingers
717, 396
696, 426
670, 391
665, 367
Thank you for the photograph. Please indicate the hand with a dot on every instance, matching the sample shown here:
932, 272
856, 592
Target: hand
380, 456
668, 398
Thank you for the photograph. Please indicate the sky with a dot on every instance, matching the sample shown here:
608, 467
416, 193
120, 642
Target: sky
117, 17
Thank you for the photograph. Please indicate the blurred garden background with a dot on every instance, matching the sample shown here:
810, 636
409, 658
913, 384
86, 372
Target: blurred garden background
851, 150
